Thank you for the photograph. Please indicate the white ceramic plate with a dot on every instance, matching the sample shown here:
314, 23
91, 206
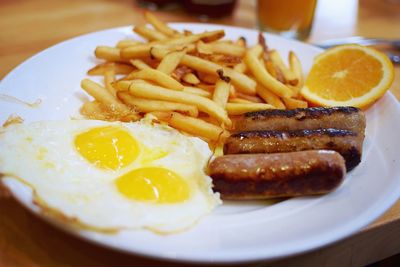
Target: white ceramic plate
235, 232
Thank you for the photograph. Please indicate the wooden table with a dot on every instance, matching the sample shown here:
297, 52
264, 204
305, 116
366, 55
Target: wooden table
27, 27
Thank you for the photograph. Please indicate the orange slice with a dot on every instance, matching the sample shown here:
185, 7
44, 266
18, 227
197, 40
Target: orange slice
348, 75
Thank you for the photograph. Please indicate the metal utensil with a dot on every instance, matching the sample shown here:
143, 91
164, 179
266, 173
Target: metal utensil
390, 47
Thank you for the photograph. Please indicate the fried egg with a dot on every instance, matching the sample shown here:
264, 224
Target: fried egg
111, 176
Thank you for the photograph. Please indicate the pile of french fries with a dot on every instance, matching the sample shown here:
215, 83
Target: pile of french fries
195, 82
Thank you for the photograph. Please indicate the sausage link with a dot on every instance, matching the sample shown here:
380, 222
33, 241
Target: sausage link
346, 118
264, 176
345, 142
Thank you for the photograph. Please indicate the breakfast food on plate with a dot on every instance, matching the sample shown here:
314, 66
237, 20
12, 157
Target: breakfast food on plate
347, 118
345, 142
111, 176
348, 75
263, 176
133, 166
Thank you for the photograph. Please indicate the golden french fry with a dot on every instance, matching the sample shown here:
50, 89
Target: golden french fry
108, 53
139, 64
190, 39
126, 43
270, 97
241, 81
202, 48
240, 108
191, 125
137, 51
251, 98
190, 78
159, 25
287, 73
148, 105
109, 79
149, 34
221, 93
241, 67
119, 68
239, 100
171, 61
197, 91
101, 94
221, 48
292, 103
262, 75
295, 67
156, 76
144, 50
141, 89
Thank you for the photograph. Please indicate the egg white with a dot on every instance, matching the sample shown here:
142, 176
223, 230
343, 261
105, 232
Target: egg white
43, 156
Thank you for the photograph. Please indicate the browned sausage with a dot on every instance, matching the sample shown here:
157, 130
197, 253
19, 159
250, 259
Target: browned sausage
345, 142
263, 176
346, 118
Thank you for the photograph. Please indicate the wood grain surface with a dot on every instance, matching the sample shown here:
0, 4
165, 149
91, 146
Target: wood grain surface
27, 27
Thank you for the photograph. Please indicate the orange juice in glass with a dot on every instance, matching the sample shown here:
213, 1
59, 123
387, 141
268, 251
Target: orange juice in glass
290, 18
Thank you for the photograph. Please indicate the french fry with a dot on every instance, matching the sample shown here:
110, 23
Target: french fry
221, 93
190, 78
240, 108
148, 105
251, 98
262, 75
119, 68
139, 64
270, 97
221, 48
149, 34
197, 91
137, 51
192, 125
241, 67
141, 89
239, 100
295, 67
287, 73
156, 76
159, 25
109, 79
108, 53
205, 37
106, 98
169, 63
126, 43
292, 103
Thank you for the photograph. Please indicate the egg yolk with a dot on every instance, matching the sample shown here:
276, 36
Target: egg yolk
107, 147
153, 184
